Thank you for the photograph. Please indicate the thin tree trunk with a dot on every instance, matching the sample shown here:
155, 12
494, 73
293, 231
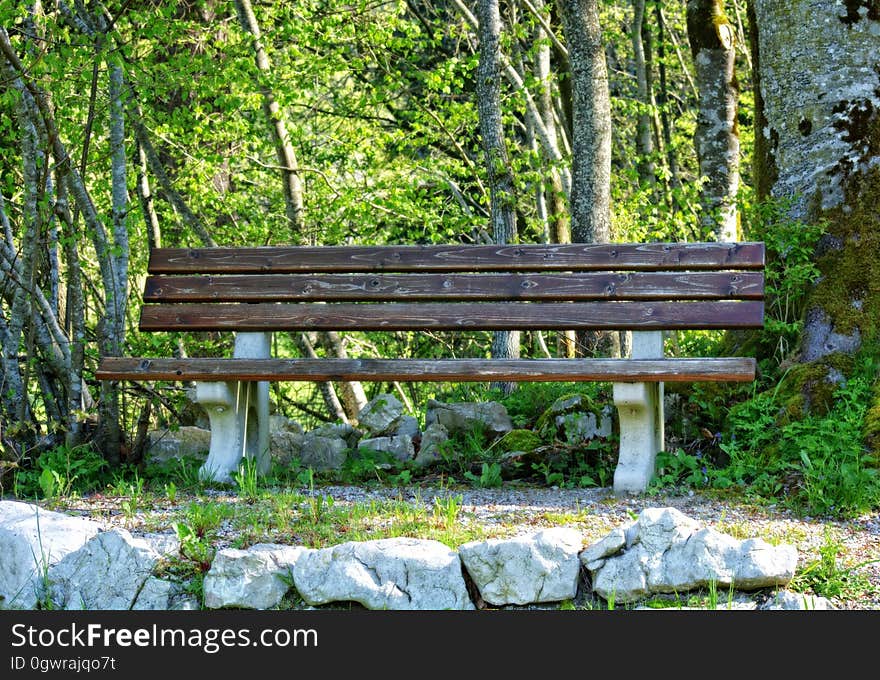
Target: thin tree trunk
145, 197
74, 319
644, 142
662, 100
558, 210
548, 143
112, 335
717, 138
12, 394
505, 344
591, 144
293, 194
591, 147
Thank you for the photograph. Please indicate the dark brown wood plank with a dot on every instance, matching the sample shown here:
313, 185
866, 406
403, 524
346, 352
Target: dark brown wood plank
430, 370
385, 287
462, 316
456, 257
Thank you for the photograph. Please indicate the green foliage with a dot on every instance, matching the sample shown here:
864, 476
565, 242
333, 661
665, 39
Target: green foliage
826, 577
816, 464
247, 478
790, 271
61, 471
489, 477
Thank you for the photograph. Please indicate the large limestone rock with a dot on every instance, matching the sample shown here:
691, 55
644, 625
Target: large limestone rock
664, 551
430, 445
380, 415
323, 453
463, 417
185, 442
32, 541
285, 445
107, 573
398, 446
391, 573
541, 567
257, 578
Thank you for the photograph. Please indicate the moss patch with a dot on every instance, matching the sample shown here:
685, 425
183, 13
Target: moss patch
849, 290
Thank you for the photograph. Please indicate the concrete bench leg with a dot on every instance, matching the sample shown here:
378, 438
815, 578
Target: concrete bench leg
239, 415
640, 411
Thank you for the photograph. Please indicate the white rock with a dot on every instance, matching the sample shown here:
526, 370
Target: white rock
541, 567
399, 446
381, 415
665, 552
31, 541
390, 573
256, 578
490, 417
788, 600
106, 573
156, 594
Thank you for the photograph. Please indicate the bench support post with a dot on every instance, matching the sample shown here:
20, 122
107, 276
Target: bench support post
239, 415
640, 411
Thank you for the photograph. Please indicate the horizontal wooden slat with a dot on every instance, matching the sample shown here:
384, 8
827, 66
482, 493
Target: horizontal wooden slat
385, 287
459, 316
430, 370
466, 258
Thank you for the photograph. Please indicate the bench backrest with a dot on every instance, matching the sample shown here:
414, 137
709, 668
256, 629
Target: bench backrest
652, 286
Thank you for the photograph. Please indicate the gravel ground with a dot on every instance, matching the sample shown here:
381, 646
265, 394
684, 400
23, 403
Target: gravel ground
515, 509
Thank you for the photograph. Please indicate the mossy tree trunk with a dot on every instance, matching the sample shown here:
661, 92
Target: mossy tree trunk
817, 68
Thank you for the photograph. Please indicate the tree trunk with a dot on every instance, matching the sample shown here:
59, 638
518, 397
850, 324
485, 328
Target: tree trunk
662, 100
293, 194
591, 142
817, 145
505, 344
549, 144
591, 124
717, 139
644, 141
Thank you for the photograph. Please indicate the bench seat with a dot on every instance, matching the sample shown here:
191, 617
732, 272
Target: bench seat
432, 370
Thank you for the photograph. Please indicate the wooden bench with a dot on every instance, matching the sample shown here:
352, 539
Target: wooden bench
253, 292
